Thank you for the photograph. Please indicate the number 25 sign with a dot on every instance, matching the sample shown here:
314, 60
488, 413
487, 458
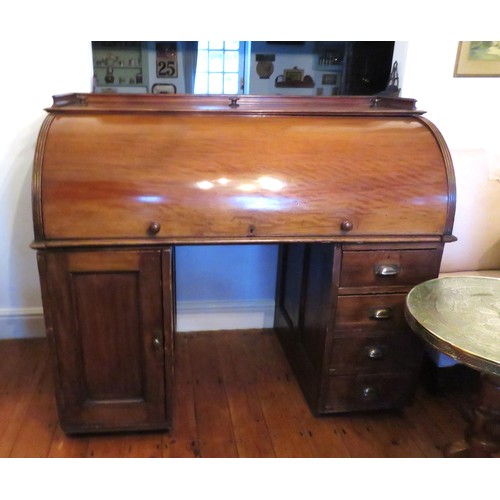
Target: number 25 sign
166, 60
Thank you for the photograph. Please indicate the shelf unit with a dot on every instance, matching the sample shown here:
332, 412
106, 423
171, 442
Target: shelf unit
329, 56
119, 66
329, 65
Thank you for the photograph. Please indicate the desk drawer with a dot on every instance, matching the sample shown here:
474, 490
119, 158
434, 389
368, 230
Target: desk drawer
369, 313
369, 392
396, 352
389, 267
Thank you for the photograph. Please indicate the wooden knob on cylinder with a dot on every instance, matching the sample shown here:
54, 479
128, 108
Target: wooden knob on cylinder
154, 228
346, 225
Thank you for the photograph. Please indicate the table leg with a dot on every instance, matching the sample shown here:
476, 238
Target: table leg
482, 435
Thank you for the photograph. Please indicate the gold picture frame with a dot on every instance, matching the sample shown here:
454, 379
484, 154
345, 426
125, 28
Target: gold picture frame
330, 78
293, 75
477, 59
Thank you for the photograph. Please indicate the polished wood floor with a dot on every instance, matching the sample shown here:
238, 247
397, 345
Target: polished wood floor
235, 397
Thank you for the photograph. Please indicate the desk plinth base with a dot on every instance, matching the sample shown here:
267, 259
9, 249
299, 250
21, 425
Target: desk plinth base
482, 436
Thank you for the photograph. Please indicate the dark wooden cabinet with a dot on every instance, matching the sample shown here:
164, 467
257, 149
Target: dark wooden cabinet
358, 192
104, 315
367, 67
345, 329
374, 357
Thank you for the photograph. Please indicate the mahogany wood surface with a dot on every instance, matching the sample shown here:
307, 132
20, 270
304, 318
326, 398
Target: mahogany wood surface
344, 185
368, 392
350, 347
90, 103
221, 173
104, 323
370, 313
413, 265
261, 399
397, 351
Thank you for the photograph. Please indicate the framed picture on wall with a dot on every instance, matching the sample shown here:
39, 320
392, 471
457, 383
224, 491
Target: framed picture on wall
330, 79
166, 60
478, 59
293, 75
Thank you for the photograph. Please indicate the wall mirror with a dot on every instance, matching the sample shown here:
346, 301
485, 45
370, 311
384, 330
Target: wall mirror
241, 274
243, 67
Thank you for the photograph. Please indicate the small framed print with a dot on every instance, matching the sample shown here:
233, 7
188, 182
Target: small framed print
293, 75
330, 79
166, 60
478, 59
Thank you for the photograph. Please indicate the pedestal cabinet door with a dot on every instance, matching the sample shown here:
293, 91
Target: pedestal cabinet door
105, 322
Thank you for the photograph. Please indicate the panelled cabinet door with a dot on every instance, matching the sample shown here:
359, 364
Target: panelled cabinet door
105, 321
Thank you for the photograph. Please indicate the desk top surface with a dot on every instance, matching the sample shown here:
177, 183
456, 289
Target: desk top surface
460, 316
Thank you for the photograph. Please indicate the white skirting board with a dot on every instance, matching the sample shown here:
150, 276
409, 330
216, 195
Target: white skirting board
224, 315
191, 316
22, 323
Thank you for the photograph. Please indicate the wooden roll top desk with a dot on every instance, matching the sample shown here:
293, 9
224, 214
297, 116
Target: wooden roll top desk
358, 192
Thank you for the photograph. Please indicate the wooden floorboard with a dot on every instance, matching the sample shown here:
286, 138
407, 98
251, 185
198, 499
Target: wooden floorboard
213, 418
240, 372
19, 388
39, 422
184, 441
235, 396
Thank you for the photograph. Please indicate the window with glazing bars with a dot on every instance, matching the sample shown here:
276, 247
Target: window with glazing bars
218, 68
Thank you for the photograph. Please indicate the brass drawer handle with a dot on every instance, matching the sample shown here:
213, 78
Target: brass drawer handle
386, 270
370, 392
375, 352
158, 341
381, 313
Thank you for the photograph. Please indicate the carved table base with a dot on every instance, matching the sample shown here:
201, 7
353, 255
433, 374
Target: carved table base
459, 317
482, 436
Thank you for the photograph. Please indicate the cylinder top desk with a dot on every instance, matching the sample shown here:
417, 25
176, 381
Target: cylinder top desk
358, 192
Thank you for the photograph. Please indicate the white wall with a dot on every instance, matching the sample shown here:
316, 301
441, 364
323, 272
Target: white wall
465, 110
38, 69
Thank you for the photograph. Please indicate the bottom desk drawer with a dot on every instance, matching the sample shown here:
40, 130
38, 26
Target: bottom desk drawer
369, 392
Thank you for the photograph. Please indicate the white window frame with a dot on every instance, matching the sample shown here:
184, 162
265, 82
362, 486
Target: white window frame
243, 59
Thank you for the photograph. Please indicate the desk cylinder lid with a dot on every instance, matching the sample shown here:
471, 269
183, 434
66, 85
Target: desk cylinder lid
174, 168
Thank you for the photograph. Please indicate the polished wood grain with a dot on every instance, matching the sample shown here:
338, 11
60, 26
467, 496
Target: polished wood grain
106, 330
234, 174
397, 351
90, 103
361, 265
370, 313
348, 184
350, 346
262, 401
372, 391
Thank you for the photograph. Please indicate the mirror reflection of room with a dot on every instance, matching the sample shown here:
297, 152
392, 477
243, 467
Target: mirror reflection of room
303, 68
243, 67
